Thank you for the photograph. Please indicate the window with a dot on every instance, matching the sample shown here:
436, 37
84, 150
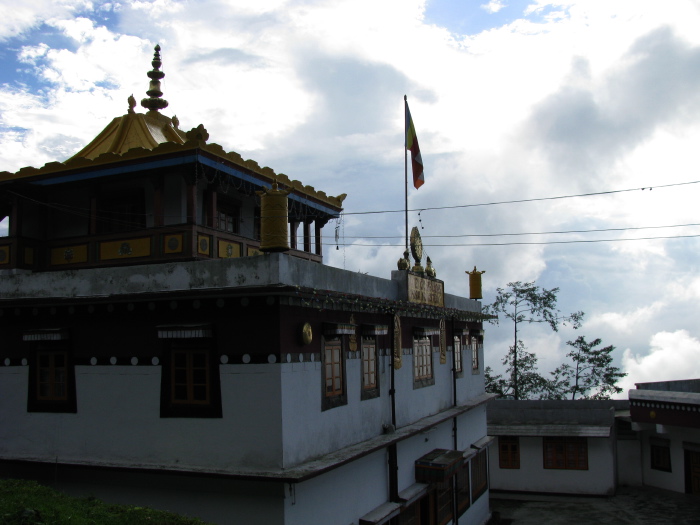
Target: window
51, 378
422, 362
462, 480
228, 216
660, 455
190, 377
190, 384
443, 500
479, 474
334, 368
370, 379
334, 373
569, 453
121, 211
509, 452
475, 353
410, 515
458, 353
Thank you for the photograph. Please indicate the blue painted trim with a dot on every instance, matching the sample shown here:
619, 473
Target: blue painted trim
179, 161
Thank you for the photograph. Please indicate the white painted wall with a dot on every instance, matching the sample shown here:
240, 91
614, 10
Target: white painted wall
472, 384
629, 463
309, 431
533, 477
341, 496
118, 422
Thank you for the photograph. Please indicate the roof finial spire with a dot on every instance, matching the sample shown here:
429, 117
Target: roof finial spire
155, 102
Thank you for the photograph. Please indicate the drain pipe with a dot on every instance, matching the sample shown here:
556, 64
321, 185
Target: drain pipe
391, 449
454, 419
454, 385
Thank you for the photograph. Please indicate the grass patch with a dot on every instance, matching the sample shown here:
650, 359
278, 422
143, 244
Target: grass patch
29, 503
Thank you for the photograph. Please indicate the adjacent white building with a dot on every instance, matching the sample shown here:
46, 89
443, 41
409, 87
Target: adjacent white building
566, 447
666, 415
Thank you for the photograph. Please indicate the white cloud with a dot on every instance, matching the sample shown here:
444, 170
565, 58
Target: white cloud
624, 323
672, 356
494, 6
20, 17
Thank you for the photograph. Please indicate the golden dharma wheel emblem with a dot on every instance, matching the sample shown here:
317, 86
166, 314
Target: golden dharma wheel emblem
416, 245
307, 334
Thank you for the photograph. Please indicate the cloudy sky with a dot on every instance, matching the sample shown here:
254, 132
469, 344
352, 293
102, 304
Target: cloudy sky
595, 102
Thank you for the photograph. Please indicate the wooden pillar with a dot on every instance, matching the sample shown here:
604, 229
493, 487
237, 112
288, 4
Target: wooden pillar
307, 236
318, 225
14, 229
211, 199
191, 203
158, 205
92, 227
293, 225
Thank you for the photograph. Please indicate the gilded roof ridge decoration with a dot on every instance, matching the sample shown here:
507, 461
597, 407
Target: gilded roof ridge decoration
154, 102
196, 141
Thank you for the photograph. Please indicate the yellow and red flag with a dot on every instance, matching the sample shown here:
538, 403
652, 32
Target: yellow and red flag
412, 146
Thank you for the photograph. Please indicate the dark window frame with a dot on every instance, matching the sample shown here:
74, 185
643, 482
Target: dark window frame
475, 354
36, 402
565, 453
170, 404
463, 489
336, 397
422, 362
459, 357
508, 452
479, 474
228, 216
660, 456
444, 501
369, 359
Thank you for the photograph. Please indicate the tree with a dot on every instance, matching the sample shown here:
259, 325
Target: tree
530, 383
591, 376
527, 303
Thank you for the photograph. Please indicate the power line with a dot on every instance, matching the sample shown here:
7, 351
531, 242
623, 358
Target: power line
593, 194
523, 243
631, 228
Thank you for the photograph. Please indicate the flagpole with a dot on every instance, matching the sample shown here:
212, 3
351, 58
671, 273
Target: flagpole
405, 164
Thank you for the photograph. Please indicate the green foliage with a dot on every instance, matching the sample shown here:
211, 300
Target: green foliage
29, 503
528, 303
531, 385
525, 303
590, 376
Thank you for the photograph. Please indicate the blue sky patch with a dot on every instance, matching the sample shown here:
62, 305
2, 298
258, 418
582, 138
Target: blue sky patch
471, 18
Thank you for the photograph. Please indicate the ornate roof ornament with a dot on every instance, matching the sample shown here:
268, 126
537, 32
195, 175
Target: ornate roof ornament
405, 262
155, 102
430, 269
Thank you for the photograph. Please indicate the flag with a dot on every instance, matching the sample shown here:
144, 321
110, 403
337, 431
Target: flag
412, 146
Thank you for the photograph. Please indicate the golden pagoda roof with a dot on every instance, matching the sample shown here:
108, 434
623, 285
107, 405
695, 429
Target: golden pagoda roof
143, 135
133, 130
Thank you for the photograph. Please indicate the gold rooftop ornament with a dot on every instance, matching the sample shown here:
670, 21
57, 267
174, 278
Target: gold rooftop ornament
475, 283
404, 263
429, 269
416, 250
154, 102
